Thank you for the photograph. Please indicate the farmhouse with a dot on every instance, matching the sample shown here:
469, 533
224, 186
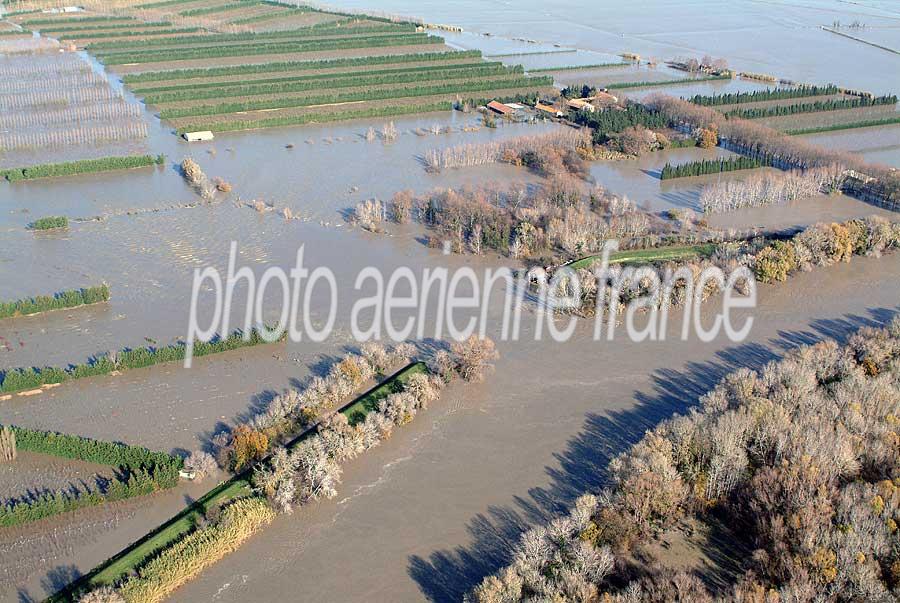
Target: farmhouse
498, 107
553, 111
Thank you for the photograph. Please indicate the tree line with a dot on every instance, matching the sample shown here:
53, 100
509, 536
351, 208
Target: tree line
826, 105
735, 98
84, 166
709, 166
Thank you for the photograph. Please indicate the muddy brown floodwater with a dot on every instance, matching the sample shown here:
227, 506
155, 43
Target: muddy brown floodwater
430, 512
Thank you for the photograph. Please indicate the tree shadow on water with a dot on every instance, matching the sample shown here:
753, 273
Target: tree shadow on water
447, 575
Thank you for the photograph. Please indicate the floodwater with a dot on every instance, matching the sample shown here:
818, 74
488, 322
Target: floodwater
430, 512
780, 37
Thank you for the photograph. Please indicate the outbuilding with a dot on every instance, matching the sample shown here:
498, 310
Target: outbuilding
498, 107
198, 136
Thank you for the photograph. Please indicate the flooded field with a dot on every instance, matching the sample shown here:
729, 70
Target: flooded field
430, 512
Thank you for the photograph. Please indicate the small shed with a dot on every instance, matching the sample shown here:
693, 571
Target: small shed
498, 107
198, 136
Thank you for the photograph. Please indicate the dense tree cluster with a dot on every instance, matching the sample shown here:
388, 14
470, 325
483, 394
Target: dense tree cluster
800, 457
605, 124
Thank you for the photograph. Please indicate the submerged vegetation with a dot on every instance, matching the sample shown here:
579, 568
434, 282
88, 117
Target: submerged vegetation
49, 223
71, 298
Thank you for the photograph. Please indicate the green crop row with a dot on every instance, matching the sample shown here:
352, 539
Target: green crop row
75, 20
300, 35
257, 49
328, 82
123, 34
130, 24
46, 303
164, 3
435, 67
186, 74
208, 10
691, 80
267, 16
577, 67
70, 168
363, 95
829, 105
709, 166
734, 98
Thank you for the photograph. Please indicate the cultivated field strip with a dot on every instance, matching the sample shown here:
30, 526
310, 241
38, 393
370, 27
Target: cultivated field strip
82, 135
101, 111
311, 65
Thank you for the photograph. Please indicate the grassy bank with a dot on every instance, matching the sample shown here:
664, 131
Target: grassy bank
643, 256
59, 301
19, 379
85, 166
139, 553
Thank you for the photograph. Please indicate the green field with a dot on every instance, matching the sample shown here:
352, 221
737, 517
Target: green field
645, 256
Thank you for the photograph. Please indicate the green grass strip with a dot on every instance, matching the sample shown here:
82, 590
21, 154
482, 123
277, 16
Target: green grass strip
136, 554
241, 50
577, 67
84, 166
71, 298
277, 36
207, 72
15, 380
436, 67
365, 95
848, 126
686, 80
327, 82
643, 256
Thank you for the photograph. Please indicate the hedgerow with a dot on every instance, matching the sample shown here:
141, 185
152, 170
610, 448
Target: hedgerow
19, 379
709, 166
829, 105
734, 98
104, 164
354, 80
366, 95
46, 303
648, 84
184, 74
848, 126
78, 20
258, 49
139, 471
130, 24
